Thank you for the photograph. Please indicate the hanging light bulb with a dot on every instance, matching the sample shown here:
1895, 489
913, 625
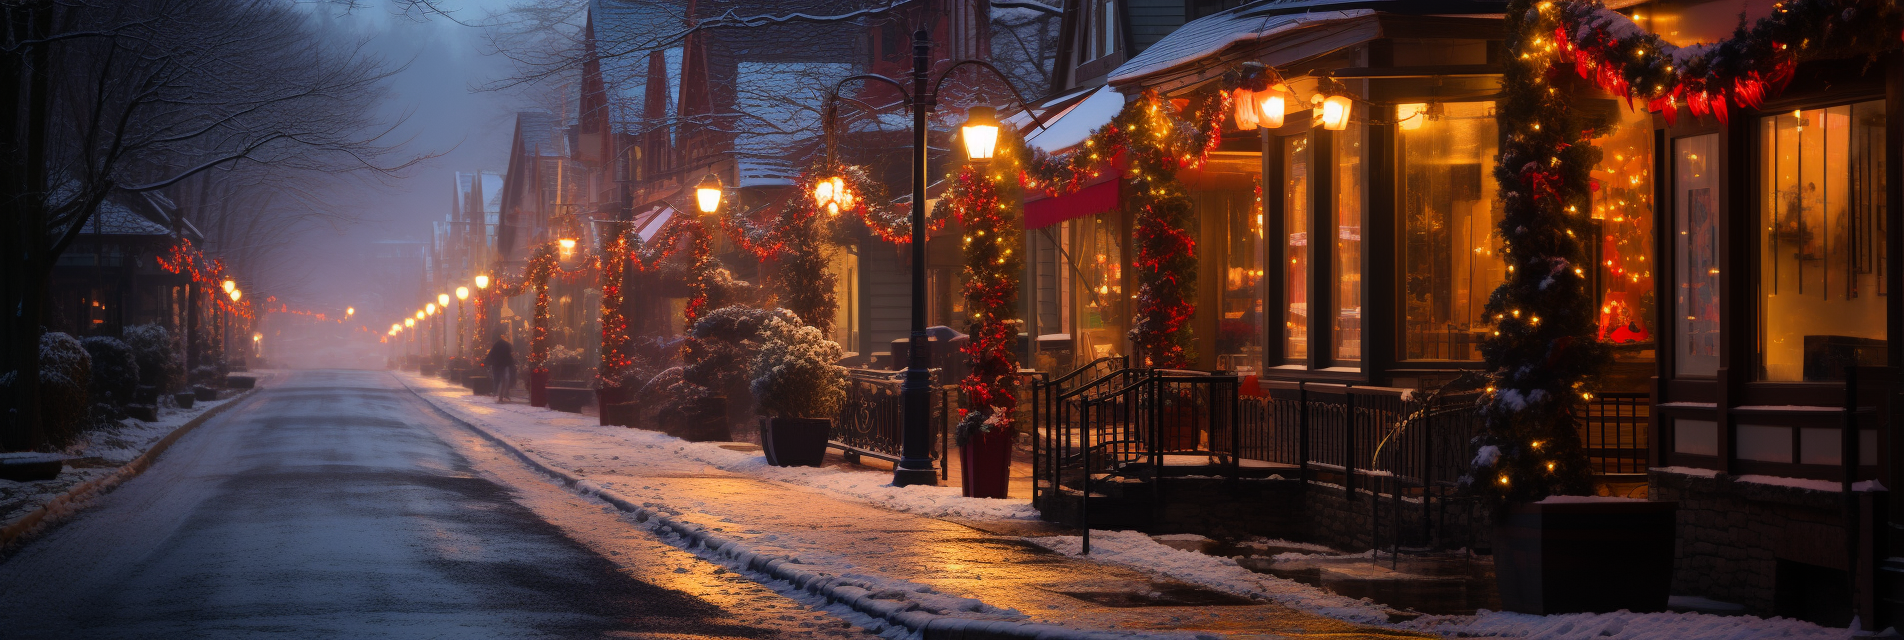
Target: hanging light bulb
1335, 112
1245, 108
1410, 115
1271, 106
822, 192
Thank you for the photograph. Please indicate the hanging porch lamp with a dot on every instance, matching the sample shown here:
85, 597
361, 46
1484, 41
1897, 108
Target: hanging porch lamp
980, 133
707, 194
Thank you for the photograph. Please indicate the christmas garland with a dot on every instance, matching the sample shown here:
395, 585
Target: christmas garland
1158, 137
184, 258
614, 324
1543, 352
986, 202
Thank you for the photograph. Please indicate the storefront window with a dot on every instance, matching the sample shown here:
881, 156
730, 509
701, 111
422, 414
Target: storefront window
1822, 258
845, 268
1100, 258
1696, 254
1623, 209
1225, 198
1449, 211
1295, 194
1348, 183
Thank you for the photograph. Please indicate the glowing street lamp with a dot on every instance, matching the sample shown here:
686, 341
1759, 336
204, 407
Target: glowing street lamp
410, 323
707, 194
443, 300
1335, 112
462, 293
429, 309
236, 294
482, 282
228, 285
349, 311
980, 133
419, 316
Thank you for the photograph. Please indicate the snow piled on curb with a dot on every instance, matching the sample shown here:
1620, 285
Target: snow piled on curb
641, 448
1138, 551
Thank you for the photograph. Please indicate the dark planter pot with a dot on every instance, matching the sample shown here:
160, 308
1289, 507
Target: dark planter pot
30, 466
566, 370
619, 414
569, 399
794, 442
185, 399
481, 385
538, 388
240, 382
985, 465
1582, 557
145, 394
205, 394
143, 412
606, 399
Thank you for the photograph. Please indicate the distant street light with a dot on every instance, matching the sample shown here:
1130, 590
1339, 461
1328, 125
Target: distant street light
409, 323
443, 300
980, 133
708, 193
228, 285
349, 311
482, 282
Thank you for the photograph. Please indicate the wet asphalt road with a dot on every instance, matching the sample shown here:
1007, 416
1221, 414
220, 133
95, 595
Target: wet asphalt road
331, 505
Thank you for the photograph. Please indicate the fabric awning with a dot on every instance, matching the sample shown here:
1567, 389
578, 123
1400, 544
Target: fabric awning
1090, 200
649, 223
1071, 126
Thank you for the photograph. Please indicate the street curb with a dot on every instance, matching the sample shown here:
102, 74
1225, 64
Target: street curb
857, 595
83, 491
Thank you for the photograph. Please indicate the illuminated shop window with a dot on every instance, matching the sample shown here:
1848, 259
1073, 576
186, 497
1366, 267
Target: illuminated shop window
1696, 254
1295, 194
1822, 242
1451, 261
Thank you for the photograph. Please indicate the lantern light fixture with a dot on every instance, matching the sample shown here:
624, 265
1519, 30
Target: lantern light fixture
228, 285
707, 194
350, 311
429, 309
462, 293
419, 316
395, 327
567, 245
256, 337
411, 322
236, 294
1335, 112
443, 300
482, 282
1272, 105
980, 133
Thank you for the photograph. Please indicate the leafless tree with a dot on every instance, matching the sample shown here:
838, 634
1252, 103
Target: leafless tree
144, 95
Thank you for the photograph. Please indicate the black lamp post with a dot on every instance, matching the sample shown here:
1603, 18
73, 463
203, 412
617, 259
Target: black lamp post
915, 460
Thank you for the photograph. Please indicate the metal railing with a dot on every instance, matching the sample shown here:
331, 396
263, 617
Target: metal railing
1613, 429
871, 422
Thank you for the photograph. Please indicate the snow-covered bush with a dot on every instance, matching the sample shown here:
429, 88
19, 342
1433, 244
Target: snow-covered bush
115, 370
206, 375
65, 375
795, 374
157, 351
559, 354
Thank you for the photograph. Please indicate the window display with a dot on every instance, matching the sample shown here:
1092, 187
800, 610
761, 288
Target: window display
1295, 194
1696, 254
1450, 261
1349, 184
1623, 208
1822, 252
1101, 317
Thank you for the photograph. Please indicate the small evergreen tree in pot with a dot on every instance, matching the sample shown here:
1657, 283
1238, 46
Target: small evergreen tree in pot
65, 376
798, 385
115, 372
157, 350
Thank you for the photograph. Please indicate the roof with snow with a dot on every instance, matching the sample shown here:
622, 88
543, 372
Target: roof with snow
624, 34
1071, 126
781, 103
127, 213
1257, 21
541, 134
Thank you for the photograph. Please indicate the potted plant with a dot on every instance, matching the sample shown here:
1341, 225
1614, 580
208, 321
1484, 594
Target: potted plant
985, 445
798, 387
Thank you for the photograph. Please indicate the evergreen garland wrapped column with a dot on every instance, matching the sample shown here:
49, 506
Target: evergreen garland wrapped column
1542, 355
986, 201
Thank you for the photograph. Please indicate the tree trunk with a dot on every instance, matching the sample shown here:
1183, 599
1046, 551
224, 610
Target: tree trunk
26, 285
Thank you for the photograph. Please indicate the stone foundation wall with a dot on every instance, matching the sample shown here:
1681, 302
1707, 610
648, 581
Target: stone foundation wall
1370, 520
1731, 535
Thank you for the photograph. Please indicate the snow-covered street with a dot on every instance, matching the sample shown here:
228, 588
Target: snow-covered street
331, 505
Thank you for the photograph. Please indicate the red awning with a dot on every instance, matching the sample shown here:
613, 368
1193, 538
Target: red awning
1088, 201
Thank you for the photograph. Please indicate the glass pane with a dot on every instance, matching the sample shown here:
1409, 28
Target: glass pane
1100, 257
1821, 304
1696, 254
1449, 213
1239, 342
1296, 247
1348, 184
1623, 207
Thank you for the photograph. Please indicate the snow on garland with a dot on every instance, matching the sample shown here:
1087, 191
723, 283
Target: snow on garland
1543, 353
978, 198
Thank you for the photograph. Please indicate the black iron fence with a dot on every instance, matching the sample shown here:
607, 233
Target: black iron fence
871, 422
1613, 429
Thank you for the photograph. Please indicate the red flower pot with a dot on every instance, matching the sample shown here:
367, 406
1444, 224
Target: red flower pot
985, 465
538, 387
607, 397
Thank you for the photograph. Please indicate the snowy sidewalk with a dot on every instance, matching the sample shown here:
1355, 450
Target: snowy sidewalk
929, 549
100, 460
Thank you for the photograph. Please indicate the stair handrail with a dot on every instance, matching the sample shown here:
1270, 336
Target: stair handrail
1123, 362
